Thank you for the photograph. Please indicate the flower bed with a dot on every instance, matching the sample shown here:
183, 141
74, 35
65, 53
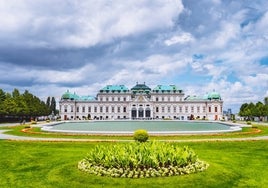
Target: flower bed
141, 160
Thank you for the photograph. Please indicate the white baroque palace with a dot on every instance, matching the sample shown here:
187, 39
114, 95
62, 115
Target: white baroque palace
141, 102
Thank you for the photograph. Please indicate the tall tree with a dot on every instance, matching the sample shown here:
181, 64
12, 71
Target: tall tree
266, 101
2, 99
48, 102
53, 105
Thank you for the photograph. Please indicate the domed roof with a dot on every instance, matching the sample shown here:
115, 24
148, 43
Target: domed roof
140, 88
214, 95
68, 95
72, 96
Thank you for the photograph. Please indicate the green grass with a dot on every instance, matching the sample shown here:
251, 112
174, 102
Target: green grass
54, 164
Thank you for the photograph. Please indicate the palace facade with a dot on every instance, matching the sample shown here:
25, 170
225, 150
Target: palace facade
141, 102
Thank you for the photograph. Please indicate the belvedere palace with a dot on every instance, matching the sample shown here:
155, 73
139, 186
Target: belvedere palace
141, 102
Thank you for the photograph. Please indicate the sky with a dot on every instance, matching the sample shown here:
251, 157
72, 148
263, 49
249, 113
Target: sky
50, 46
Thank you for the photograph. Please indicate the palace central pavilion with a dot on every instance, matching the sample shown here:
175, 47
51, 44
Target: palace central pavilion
141, 102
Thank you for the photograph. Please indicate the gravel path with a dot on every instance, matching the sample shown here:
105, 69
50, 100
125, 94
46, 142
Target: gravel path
24, 138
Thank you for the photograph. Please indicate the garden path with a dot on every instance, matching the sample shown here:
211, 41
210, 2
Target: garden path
4, 136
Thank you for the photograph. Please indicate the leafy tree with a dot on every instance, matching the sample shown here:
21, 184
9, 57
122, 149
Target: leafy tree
266, 101
254, 110
17, 106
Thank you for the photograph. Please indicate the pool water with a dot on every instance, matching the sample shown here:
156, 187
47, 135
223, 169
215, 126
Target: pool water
153, 127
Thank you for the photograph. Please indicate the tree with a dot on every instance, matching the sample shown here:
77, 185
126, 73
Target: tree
266, 101
2, 99
259, 110
16, 106
48, 102
251, 110
53, 105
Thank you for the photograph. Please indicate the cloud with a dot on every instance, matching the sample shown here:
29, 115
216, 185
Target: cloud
181, 39
54, 45
82, 24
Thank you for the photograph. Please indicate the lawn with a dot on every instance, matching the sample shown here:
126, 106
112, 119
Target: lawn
54, 164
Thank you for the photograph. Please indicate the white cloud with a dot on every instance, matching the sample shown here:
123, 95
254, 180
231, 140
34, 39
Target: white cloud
151, 41
180, 39
84, 23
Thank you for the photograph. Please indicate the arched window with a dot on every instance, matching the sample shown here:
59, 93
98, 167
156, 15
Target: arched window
147, 112
134, 113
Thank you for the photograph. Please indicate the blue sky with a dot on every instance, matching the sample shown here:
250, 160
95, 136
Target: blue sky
50, 46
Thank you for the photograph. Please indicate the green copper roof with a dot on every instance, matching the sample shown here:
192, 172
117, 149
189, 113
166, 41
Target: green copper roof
166, 88
87, 98
214, 95
194, 98
141, 88
209, 96
114, 88
72, 96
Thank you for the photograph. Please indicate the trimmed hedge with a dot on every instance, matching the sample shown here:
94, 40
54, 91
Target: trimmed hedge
141, 135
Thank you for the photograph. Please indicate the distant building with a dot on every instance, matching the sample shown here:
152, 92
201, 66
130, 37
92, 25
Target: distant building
141, 102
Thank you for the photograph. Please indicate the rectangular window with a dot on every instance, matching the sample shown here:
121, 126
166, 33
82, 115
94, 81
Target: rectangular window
89, 109
204, 109
192, 109
112, 109
107, 109
65, 108
216, 109
83, 109
95, 109
125, 109
101, 109
174, 109
72, 108
125, 99
186, 109
168, 109
77, 109
118, 109
209, 109
157, 109
180, 108
198, 109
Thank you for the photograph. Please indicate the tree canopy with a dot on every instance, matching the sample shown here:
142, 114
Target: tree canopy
17, 106
254, 110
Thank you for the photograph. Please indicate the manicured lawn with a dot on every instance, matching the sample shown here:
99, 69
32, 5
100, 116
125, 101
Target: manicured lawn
54, 164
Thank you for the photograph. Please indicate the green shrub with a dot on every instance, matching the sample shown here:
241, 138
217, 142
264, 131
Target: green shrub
33, 122
248, 123
141, 160
141, 135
